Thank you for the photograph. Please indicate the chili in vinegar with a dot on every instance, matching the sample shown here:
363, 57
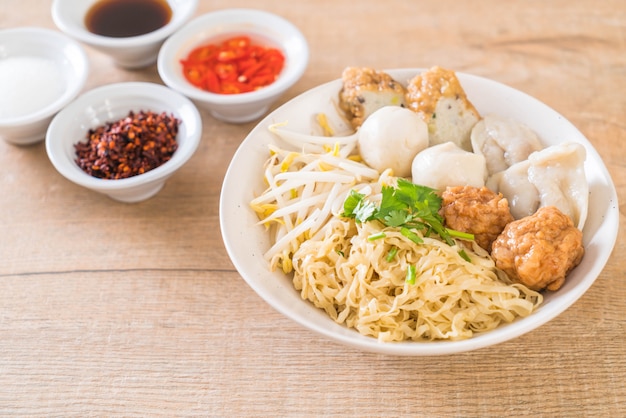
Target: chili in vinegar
233, 66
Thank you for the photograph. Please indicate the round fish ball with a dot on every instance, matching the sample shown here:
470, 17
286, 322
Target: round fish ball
446, 165
391, 137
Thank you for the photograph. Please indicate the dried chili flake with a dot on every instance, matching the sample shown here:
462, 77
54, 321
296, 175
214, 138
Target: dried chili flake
128, 147
233, 66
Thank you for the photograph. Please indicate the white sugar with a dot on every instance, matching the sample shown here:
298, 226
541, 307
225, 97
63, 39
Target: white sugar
28, 84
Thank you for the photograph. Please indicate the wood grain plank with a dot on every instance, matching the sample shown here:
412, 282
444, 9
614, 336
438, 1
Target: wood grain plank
109, 309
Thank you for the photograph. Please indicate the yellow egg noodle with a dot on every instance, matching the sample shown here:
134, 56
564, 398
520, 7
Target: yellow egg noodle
350, 277
336, 266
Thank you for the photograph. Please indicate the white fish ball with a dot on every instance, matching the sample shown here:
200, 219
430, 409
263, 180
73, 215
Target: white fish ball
391, 137
446, 164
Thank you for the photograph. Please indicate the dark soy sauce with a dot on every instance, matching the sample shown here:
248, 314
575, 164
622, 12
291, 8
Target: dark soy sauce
125, 18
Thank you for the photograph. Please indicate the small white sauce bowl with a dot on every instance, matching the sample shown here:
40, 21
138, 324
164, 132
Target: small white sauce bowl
111, 103
64, 53
263, 28
131, 52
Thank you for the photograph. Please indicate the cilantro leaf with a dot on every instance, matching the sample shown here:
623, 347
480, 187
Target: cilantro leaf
365, 211
396, 218
389, 203
351, 202
408, 206
420, 196
355, 206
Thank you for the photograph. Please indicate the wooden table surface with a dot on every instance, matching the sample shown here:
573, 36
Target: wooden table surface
111, 309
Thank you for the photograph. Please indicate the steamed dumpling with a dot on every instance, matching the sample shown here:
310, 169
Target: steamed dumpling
554, 176
446, 165
391, 137
513, 183
558, 173
503, 142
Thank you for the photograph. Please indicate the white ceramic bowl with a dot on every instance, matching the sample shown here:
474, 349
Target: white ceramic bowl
59, 53
111, 103
246, 241
131, 52
264, 28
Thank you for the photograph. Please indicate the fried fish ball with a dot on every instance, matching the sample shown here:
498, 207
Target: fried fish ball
478, 211
437, 95
366, 90
539, 250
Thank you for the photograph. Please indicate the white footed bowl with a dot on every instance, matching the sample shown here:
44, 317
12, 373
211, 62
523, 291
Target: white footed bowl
111, 103
246, 241
69, 58
131, 52
263, 27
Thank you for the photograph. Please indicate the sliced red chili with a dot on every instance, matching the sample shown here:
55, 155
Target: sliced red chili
202, 54
260, 81
238, 42
234, 66
225, 71
252, 70
194, 76
235, 87
246, 63
211, 82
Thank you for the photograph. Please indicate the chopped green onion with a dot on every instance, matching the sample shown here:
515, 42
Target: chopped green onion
411, 235
464, 256
391, 254
461, 235
410, 274
374, 237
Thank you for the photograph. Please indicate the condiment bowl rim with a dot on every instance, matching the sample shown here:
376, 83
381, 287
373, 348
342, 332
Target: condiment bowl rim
75, 83
179, 16
70, 170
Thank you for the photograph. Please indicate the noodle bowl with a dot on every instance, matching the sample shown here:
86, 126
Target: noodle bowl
248, 244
